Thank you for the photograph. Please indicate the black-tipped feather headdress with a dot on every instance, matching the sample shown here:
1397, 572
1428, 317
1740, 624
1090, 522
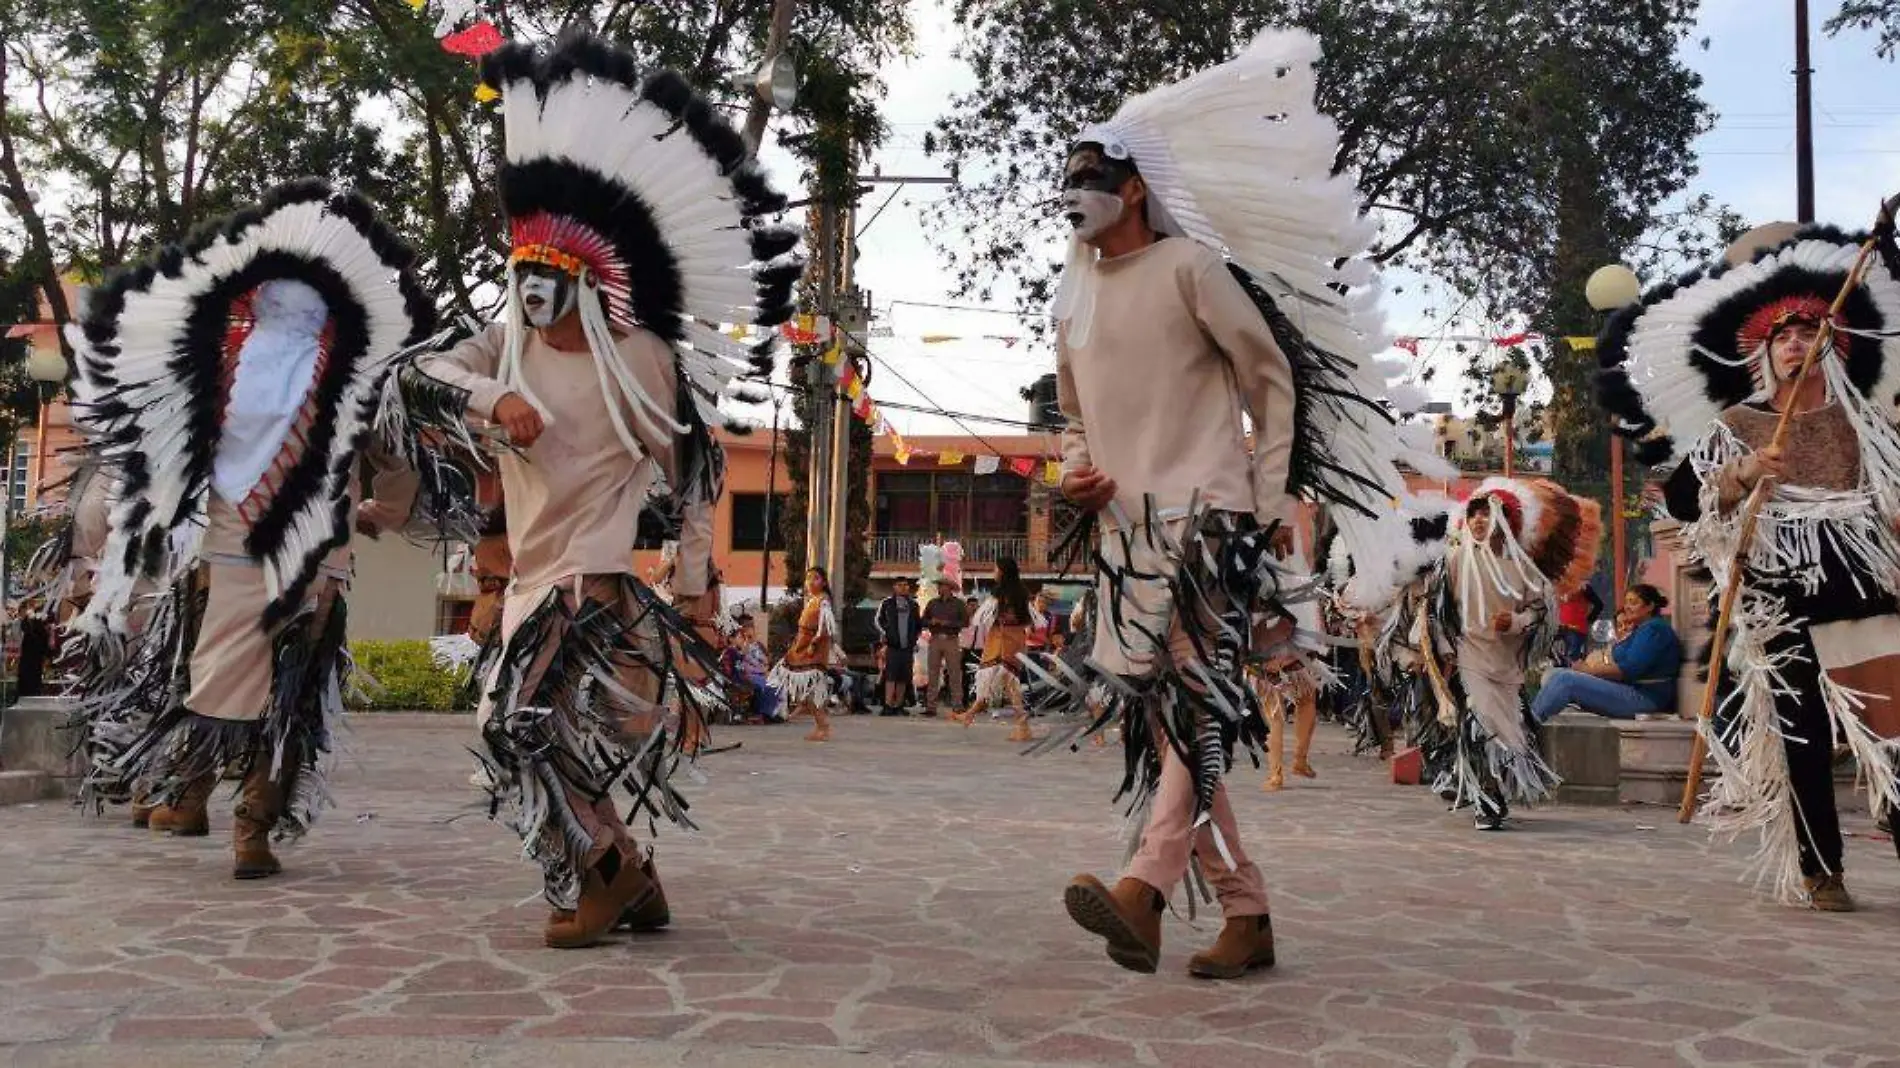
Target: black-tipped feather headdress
637, 186
1671, 364
157, 344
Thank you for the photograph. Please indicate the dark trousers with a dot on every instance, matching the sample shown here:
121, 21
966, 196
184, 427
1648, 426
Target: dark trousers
1810, 746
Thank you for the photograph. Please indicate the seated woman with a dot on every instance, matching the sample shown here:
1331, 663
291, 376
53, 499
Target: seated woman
1637, 677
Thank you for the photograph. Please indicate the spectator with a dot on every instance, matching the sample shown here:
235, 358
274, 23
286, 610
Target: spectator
1041, 625
897, 628
1575, 616
1635, 678
744, 659
945, 617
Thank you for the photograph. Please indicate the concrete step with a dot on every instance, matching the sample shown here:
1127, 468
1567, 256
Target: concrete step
21, 787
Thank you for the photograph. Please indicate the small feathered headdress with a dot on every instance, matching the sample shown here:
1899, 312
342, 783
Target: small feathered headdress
1238, 158
1557, 531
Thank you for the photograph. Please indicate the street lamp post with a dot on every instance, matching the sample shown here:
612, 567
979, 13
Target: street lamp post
1608, 289
1508, 381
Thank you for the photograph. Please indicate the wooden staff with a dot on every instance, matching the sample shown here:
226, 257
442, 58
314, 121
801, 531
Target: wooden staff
1731, 590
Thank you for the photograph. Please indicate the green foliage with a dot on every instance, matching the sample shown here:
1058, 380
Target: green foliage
407, 679
138, 119
1483, 131
1880, 15
26, 535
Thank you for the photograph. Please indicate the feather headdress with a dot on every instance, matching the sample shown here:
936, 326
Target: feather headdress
160, 344
637, 187
1238, 158
1692, 349
1559, 532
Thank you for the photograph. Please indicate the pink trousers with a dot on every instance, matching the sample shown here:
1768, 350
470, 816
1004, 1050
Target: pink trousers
1170, 839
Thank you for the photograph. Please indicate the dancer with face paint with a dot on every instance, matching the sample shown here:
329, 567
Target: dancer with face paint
1167, 353
635, 222
270, 333
1702, 373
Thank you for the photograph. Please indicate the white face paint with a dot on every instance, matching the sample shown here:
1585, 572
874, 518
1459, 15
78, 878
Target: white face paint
1090, 211
545, 296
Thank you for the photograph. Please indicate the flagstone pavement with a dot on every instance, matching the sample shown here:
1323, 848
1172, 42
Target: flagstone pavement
893, 898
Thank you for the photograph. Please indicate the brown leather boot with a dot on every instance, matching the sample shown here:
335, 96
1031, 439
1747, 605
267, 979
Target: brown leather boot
1244, 943
1129, 917
613, 882
1828, 893
142, 809
648, 912
260, 802
188, 818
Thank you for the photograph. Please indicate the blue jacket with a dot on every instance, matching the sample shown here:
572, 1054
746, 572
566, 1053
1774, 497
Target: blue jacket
1649, 659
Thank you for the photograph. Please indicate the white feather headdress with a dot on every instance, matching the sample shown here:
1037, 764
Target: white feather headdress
1238, 158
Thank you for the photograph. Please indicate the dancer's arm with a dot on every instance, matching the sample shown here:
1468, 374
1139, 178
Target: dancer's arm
472, 366
1263, 375
1081, 482
655, 367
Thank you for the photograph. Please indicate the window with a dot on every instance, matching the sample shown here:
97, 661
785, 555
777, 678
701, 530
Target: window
653, 534
952, 504
903, 504
750, 521
452, 615
17, 473
999, 504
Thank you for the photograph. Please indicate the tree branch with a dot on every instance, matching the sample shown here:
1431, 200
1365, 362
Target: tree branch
22, 203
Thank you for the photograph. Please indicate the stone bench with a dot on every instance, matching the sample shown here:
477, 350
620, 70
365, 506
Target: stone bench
1635, 762
32, 741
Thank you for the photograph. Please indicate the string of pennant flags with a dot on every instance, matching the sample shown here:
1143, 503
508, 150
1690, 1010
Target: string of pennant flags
814, 329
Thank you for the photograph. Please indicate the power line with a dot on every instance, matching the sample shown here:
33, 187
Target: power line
919, 409
964, 307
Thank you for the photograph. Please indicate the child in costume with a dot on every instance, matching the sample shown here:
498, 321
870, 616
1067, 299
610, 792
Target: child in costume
1004, 622
1484, 622
803, 679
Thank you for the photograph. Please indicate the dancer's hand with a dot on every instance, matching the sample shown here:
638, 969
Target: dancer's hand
1502, 622
520, 419
1764, 463
1088, 488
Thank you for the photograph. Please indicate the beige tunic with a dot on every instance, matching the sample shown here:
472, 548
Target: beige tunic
574, 497
231, 662
1491, 665
1176, 355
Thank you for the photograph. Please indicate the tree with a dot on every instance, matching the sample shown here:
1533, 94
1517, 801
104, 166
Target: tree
139, 118
1475, 127
1881, 15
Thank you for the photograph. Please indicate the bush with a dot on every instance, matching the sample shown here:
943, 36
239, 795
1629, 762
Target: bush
403, 676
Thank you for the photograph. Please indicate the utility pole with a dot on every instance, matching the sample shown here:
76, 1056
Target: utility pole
851, 326
819, 383
1803, 117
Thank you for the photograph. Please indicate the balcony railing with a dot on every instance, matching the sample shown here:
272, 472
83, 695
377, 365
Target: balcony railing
898, 552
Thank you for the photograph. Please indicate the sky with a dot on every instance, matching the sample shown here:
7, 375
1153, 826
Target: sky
1747, 162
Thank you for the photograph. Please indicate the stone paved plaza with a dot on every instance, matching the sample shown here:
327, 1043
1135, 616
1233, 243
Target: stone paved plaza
894, 898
